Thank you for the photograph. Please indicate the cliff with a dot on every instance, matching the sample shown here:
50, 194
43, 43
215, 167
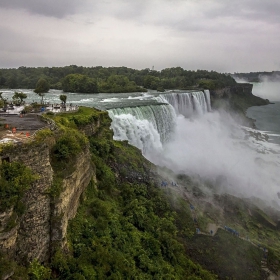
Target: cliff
236, 100
64, 207
43, 224
30, 237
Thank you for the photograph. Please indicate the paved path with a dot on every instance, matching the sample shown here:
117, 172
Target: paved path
27, 124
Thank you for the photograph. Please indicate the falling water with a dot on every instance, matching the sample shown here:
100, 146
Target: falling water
146, 127
189, 103
149, 127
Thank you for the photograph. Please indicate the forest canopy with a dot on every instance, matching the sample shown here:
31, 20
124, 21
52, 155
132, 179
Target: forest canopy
112, 79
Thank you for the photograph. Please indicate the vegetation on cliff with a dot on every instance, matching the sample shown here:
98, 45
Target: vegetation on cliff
15, 179
124, 228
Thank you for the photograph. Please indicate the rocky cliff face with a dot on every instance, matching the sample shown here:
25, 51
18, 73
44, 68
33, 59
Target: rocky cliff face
237, 99
45, 219
65, 206
30, 238
242, 89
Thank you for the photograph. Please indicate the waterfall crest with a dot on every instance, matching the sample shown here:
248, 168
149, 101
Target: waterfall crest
188, 103
149, 127
146, 127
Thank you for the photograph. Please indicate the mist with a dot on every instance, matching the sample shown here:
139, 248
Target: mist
268, 89
214, 148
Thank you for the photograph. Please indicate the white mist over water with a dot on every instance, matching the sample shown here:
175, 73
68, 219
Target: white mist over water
268, 89
213, 146
210, 146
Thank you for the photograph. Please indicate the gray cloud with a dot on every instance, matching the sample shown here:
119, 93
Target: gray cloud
195, 34
51, 8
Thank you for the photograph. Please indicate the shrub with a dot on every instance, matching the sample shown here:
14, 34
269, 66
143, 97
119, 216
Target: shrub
15, 179
69, 145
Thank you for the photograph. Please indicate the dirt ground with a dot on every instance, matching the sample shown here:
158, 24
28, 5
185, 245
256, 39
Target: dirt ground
27, 124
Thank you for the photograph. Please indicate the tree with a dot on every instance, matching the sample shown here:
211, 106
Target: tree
63, 98
3, 101
18, 97
79, 83
42, 87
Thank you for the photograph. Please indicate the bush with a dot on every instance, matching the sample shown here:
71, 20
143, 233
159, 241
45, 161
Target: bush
38, 271
15, 179
69, 145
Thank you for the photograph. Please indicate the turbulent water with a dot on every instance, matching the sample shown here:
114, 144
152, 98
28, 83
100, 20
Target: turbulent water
152, 126
146, 127
178, 130
205, 144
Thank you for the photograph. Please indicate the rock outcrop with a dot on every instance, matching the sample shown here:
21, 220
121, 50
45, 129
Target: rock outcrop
240, 89
31, 234
44, 222
236, 100
65, 206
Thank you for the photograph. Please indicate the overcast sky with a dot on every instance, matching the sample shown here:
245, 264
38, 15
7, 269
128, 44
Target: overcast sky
221, 35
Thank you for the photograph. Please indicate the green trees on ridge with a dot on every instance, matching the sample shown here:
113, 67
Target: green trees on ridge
111, 79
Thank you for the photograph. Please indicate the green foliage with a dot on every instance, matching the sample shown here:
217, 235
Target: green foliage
238, 258
69, 144
42, 134
15, 179
42, 87
3, 101
56, 187
18, 97
119, 83
63, 98
79, 83
83, 117
207, 84
110, 79
123, 230
6, 265
103, 147
37, 271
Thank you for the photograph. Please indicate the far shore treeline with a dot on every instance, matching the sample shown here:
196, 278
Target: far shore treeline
112, 79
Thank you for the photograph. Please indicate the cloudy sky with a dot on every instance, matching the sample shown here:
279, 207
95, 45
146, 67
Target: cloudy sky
222, 35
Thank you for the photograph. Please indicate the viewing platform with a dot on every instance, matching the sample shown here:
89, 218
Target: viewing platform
16, 125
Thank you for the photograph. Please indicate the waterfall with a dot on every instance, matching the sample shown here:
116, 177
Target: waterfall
207, 97
146, 127
189, 103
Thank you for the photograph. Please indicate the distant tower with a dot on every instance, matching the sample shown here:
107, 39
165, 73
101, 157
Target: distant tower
153, 68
